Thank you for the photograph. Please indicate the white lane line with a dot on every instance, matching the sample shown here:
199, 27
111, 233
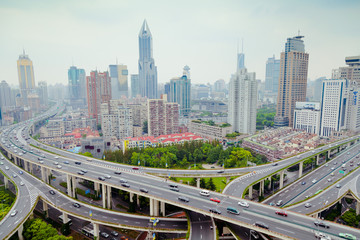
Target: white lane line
137, 222
126, 221
285, 230
245, 218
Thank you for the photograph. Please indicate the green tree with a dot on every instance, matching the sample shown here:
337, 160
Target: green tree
87, 154
36, 229
202, 183
350, 218
193, 182
210, 185
145, 127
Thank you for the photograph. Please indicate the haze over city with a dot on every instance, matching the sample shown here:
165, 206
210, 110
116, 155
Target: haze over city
203, 35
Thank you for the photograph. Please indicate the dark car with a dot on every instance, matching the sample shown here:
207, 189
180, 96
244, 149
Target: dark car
125, 185
101, 178
104, 234
321, 224
52, 192
144, 190
184, 199
80, 173
114, 233
66, 162
174, 189
76, 205
78, 163
261, 224
303, 183
214, 210
221, 171
83, 170
117, 172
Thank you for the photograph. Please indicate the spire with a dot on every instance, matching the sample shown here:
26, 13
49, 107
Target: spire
145, 30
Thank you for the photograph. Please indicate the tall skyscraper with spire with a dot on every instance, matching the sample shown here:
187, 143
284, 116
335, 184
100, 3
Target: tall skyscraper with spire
147, 69
240, 58
26, 75
292, 80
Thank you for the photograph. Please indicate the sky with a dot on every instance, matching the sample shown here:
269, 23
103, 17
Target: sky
205, 35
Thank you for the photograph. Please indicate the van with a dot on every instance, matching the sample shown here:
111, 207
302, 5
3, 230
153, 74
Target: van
233, 210
344, 166
205, 193
279, 203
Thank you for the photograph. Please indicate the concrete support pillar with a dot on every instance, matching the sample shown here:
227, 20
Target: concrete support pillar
43, 173
329, 153
108, 197
357, 207
149, 236
68, 182
151, 207
97, 186
103, 195
20, 230
301, 165
96, 230
251, 192
162, 208
137, 200
26, 166
31, 168
269, 186
198, 182
65, 218
73, 186
6, 182
317, 159
281, 179
131, 197
261, 190
45, 209
156, 207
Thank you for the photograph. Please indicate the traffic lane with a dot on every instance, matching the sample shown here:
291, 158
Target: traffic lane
201, 226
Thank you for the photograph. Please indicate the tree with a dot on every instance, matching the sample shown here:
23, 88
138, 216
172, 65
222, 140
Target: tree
350, 218
145, 127
36, 229
193, 182
210, 185
87, 154
202, 183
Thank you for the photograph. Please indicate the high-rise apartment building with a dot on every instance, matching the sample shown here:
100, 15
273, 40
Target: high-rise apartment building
147, 70
307, 116
272, 75
180, 92
42, 92
98, 92
163, 117
243, 101
77, 85
5, 95
292, 80
119, 81
352, 72
135, 85
25, 75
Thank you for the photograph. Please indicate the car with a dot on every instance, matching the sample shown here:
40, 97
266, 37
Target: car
272, 204
144, 190
84, 171
7, 168
184, 199
338, 186
114, 233
22, 184
322, 236
261, 224
335, 163
89, 159
59, 166
13, 213
329, 180
107, 176
104, 234
56, 157
321, 224
173, 185
214, 210
123, 180
135, 168
76, 205
66, 162
174, 189
117, 172
332, 174
314, 181
303, 183
1, 163
205, 193
52, 192
78, 163
220, 171
255, 234
351, 161
80, 173
347, 236
125, 185
307, 205
326, 165
14, 175
232, 210
351, 165
21, 172
41, 161
101, 178
275, 164
279, 203
215, 200
243, 204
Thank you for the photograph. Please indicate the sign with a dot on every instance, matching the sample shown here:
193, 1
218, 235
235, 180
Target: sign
87, 191
90, 213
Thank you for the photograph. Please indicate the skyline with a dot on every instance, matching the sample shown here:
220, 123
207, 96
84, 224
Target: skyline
95, 36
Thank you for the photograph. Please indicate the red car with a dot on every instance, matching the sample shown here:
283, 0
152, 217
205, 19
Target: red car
282, 213
135, 168
215, 200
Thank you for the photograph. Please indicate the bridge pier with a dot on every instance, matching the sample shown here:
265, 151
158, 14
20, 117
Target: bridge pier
261, 190
45, 209
68, 182
317, 159
329, 153
269, 186
6, 182
65, 217
137, 200
31, 168
250, 192
96, 230
108, 197
357, 207
26, 166
73, 181
131, 196
281, 179
103, 195
198, 182
20, 230
97, 188
156, 207
151, 206
301, 165
43, 174
162, 208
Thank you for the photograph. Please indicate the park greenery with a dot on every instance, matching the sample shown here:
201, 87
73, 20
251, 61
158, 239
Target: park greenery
6, 199
37, 229
186, 155
265, 117
351, 218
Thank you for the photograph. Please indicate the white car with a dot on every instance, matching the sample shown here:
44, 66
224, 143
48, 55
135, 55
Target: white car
56, 163
243, 204
314, 181
56, 157
107, 176
59, 166
7, 168
21, 184
322, 236
13, 213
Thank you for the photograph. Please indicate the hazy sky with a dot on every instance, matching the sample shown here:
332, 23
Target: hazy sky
202, 34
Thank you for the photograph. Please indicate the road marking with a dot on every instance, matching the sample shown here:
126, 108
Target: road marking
126, 221
137, 222
200, 226
201, 236
285, 230
175, 225
245, 218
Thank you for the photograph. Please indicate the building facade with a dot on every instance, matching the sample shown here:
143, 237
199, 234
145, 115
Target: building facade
180, 92
206, 130
292, 80
243, 102
148, 82
272, 75
307, 117
43, 93
351, 72
77, 85
26, 76
119, 81
5, 95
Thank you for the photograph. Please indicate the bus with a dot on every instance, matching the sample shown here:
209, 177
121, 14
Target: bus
62, 220
88, 230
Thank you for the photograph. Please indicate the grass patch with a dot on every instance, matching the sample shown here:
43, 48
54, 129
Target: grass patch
220, 182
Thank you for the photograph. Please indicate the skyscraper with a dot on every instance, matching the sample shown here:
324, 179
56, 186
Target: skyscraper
180, 91
77, 85
292, 80
147, 69
5, 95
135, 85
42, 92
240, 61
25, 75
119, 81
352, 72
272, 75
